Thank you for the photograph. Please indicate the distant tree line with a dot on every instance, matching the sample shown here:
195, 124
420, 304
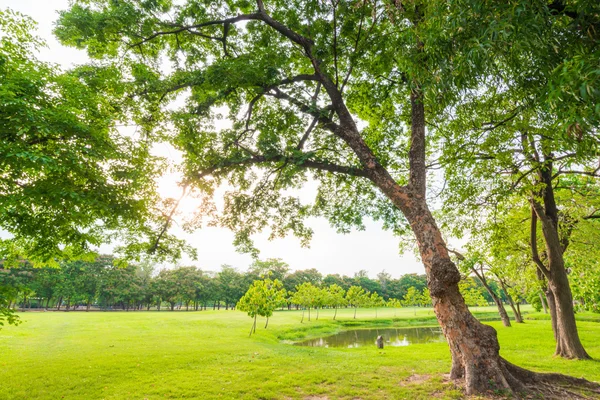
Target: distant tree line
104, 284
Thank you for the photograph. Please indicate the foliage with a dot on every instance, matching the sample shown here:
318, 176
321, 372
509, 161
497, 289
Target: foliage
70, 179
472, 294
262, 298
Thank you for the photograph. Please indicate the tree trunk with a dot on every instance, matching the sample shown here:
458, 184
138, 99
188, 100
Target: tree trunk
302, 320
543, 301
474, 346
517, 313
501, 310
253, 327
568, 344
309, 313
267, 323
335, 314
355, 312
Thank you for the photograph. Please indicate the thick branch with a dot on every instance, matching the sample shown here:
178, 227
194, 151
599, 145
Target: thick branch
416, 154
297, 161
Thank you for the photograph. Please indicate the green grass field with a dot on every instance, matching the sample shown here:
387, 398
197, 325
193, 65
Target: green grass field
208, 354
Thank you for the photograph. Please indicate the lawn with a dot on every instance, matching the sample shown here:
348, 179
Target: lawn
208, 354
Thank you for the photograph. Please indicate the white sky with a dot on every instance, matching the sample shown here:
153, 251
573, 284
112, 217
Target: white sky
373, 250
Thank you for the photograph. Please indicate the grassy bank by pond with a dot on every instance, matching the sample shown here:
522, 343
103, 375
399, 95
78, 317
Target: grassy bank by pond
206, 355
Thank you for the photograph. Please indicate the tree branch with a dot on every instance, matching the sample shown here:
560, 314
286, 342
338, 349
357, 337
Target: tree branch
297, 161
593, 173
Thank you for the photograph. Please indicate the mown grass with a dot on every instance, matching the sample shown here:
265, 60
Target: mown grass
208, 355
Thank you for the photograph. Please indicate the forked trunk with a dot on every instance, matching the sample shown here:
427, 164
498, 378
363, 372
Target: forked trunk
501, 310
516, 312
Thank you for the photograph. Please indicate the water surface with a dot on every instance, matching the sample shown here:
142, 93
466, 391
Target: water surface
366, 337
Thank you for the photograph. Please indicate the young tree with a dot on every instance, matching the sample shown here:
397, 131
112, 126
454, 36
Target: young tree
412, 298
376, 301
395, 304
262, 298
356, 297
305, 296
336, 298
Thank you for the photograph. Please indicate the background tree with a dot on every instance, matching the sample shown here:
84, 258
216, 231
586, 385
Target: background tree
305, 296
395, 304
336, 298
376, 301
356, 297
472, 293
273, 268
412, 298
262, 298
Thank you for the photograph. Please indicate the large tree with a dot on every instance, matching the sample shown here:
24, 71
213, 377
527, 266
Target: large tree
529, 127
294, 79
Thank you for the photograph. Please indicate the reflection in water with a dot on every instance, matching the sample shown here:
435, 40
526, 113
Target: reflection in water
366, 337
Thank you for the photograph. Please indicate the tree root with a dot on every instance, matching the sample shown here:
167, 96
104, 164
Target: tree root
528, 384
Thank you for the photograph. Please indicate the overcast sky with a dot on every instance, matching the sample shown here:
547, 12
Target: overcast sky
373, 250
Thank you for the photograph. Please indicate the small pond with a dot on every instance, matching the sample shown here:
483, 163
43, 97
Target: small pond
366, 337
